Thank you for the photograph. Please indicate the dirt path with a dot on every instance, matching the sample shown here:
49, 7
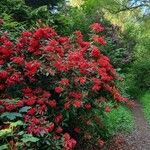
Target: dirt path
140, 138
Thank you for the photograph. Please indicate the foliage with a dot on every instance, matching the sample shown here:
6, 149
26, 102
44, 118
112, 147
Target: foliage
144, 99
65, 22
51, 82
15, 14
36, 71
135, 35
119, 120
139, 78
139, 74
17, 138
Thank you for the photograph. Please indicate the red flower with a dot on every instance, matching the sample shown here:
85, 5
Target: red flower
31, 111
67, 105
36, 121
103, 61
79, 34
2, 62
74, 56
77, 104
46, 94
30, 102
88, 106
107, 87
101, 142
52, 103
95, 52
77, 130
82, 80
66, 136
59, 130
97, 27
58, 118
63, 40
32, 67
64, 82
10, 107
107, 109
27, 90
16, 77
20, 103
26, 33
69, 143
41, 101
3, 74
53, 43
75, 95
96, 81
96, 87
2, 87
99, 40
60, 66
58, 89
18, 60
60, 51
51, 127
49, 48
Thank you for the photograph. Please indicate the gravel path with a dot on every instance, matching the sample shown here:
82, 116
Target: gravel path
140, 138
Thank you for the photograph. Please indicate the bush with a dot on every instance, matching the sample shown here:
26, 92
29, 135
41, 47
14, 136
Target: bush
54, 85
139, 77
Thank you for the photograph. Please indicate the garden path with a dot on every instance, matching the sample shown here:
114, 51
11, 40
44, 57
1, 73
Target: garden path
139, 139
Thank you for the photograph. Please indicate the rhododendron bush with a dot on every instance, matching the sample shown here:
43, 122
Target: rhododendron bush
55, 84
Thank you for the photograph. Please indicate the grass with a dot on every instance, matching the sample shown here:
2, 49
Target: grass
145, 101
119, 120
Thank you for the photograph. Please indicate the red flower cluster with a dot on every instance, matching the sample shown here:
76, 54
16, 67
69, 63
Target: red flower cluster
97, 27
69, 143
55, 76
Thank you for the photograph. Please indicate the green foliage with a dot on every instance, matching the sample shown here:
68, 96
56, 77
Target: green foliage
24, 109
10, 115
128, 48
119, 120
5, 132
29, 138
13, 132
145, 101
17, 123
139, 77
4, 147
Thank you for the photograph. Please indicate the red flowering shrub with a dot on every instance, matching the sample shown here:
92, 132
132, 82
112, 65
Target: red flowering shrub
59, 81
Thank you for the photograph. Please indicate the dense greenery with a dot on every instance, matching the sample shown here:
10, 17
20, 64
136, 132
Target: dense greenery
127, 35
119, 120
146, 105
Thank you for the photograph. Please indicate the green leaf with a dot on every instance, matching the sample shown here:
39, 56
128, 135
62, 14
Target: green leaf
24, 109
10, 116
5, 132
17, 123
29, 138
21, 133
4, 147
